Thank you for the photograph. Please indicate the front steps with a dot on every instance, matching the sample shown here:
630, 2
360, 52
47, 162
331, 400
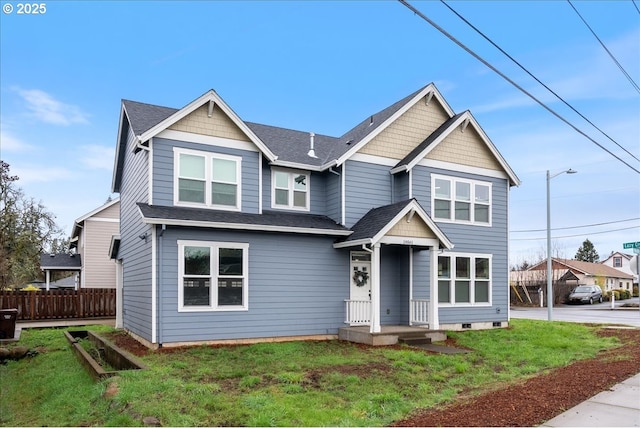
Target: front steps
391, 335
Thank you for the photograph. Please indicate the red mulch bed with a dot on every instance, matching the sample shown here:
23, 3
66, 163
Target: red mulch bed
543, 397
528, 403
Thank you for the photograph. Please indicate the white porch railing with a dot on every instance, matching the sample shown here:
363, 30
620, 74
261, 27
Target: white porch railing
419, 311
358, 312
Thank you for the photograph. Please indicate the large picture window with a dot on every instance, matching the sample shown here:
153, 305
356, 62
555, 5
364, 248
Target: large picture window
207, 179
212, 276
461, 201
464, 279
290, 189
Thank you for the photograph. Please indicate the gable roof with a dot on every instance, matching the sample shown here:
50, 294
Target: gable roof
78, 223
438, 136
586, 268
369, 128
618, 254
374, 225
290, 148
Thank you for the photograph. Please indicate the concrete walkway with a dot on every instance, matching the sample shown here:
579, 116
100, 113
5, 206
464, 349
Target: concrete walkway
617, 407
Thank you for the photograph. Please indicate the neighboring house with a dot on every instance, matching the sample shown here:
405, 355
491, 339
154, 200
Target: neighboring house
232, 230
91, 237
586, 273
621, 262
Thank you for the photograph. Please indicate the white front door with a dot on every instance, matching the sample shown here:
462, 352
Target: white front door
360, 276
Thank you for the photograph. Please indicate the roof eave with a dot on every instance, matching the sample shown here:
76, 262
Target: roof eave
209, 96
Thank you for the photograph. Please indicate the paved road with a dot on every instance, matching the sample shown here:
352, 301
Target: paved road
599, 313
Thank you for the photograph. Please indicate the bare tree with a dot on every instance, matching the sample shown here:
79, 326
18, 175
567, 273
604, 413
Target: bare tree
27, 229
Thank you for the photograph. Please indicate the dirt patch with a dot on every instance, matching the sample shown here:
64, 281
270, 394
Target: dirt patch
543, 397
128, 343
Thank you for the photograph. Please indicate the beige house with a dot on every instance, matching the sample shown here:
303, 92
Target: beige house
621, 262
91, 236
585, 273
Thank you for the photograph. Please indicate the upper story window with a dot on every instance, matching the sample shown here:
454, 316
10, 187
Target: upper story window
617, 262
464, 279
461, 201
290, 189
207, 179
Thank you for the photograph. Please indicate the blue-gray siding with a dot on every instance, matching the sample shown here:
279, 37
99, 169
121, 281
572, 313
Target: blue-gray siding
475, 239
297, 286
135, 252
367, 186
163, 171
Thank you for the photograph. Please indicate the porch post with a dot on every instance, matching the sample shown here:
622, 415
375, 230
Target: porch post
375, 290
47, 274
410, 285
434, 318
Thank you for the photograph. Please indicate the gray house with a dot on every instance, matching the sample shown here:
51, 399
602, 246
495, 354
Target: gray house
237, 231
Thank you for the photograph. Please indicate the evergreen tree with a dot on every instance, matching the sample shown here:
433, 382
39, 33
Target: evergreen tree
587, 253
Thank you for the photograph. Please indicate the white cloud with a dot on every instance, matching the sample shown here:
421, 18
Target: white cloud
49, 110
10, 143
98, 157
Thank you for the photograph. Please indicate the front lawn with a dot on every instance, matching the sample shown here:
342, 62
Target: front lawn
280, 384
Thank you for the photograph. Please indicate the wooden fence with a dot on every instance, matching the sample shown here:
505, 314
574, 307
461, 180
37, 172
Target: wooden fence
59, 304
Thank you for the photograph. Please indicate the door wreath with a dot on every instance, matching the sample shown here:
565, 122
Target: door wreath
360, 278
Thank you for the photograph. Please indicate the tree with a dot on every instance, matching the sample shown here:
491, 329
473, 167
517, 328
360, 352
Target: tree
27, 229
587, 253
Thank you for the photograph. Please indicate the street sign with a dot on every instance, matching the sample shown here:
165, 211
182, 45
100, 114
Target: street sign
628, 245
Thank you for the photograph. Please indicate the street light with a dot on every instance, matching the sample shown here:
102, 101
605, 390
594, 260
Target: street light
549, 282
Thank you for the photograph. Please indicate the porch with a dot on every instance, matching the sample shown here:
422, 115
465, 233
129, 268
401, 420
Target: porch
358, 316
390, 335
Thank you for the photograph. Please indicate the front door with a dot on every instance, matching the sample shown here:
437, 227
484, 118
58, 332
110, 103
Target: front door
360, 276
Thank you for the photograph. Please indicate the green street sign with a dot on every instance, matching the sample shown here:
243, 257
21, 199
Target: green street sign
628, 245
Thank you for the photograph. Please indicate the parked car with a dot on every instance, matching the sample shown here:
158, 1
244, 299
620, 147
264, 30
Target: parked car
586, 294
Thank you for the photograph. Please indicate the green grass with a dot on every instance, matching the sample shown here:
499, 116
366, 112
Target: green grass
280, 384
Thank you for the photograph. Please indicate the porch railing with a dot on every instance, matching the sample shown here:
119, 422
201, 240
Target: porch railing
419, 311
358, 312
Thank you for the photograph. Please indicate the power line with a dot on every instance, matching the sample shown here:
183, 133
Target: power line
524, 91
577, 227
633, 83
574, 236
636, 6
535, 78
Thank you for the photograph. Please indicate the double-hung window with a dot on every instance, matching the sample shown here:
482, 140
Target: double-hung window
207, 179
617, 262
461, 201
290, 189
212, 276
464, 279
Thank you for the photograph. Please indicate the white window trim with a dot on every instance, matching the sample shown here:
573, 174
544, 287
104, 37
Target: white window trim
472, 280
177, 151
291, 173
472, 202
214, 247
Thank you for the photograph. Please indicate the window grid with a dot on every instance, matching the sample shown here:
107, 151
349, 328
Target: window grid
202, 264
461, 201
209, 180
464, 279
290, 190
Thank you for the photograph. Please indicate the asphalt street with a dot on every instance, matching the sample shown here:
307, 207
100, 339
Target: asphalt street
600, 313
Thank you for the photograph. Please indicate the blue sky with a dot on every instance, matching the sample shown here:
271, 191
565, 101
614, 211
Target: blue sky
323, 67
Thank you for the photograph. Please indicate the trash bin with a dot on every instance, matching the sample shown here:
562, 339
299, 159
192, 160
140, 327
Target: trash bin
8, 319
